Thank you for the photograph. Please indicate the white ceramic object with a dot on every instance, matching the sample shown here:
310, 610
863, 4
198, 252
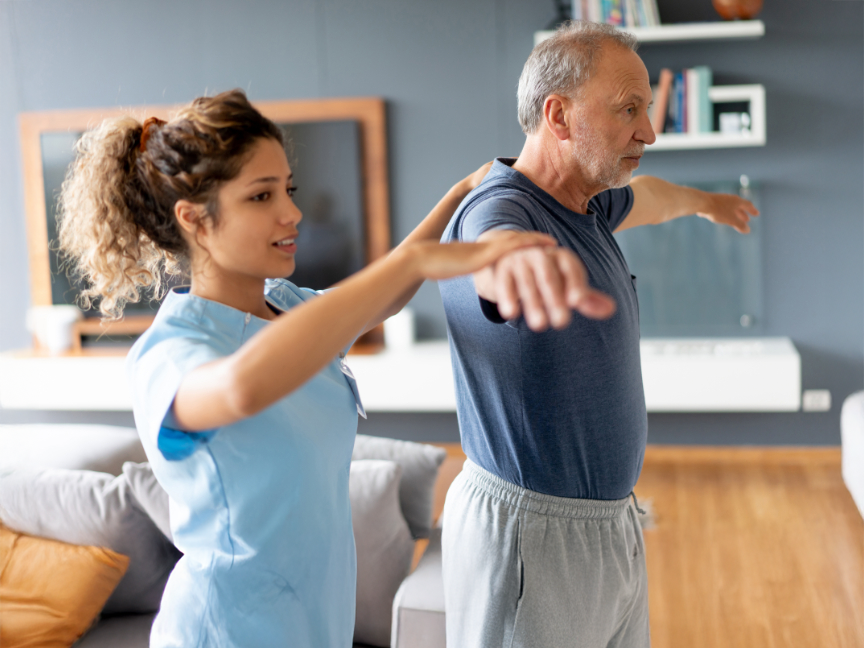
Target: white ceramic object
54, 326
399, 331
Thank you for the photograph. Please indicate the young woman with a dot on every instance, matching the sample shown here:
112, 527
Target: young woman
242, 399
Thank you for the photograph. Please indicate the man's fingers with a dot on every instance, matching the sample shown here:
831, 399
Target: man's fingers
573, 273
552, 286
596, 305
580, 296
508, 296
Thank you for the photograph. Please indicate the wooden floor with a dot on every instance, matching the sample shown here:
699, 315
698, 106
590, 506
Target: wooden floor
751, 548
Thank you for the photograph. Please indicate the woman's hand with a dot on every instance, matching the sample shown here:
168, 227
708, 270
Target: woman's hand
445, 260
473, 181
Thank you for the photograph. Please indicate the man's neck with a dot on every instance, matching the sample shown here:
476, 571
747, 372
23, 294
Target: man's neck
544, 164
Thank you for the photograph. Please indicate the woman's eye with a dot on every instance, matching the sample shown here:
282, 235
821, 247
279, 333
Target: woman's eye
292, 191
264, 195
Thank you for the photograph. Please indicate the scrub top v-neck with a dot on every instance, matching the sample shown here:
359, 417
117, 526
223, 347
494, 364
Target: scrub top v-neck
259, 508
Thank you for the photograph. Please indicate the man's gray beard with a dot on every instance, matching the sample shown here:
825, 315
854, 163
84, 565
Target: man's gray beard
599, 167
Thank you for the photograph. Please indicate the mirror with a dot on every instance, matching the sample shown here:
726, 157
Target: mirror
337, 151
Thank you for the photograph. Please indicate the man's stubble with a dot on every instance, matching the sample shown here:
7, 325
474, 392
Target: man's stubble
600, 164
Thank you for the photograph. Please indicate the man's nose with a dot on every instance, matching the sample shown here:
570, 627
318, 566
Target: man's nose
645, 133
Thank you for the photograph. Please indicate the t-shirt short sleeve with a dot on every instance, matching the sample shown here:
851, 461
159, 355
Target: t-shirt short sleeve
155, 376
614, 204
502, 212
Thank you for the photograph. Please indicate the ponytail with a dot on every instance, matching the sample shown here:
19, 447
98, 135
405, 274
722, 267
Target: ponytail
97, 227
116, 220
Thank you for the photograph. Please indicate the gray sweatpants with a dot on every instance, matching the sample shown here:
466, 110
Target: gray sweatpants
536, 571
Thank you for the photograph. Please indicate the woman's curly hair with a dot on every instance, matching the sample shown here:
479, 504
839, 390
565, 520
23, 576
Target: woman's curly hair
116, 220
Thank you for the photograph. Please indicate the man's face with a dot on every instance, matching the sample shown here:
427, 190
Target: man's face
610, 120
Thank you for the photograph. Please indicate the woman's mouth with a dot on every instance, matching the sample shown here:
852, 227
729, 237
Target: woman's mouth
286, 245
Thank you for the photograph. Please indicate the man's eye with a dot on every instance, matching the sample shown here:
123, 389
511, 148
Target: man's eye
292, 191
264, 195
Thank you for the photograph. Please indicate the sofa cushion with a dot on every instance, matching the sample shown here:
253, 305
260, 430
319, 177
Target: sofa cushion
90, 508
420, 463
384, 546
102, 448
418, 609
122, 631
50, 592
149, 493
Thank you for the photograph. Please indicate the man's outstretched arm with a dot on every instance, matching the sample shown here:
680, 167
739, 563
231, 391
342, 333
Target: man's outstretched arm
656, 201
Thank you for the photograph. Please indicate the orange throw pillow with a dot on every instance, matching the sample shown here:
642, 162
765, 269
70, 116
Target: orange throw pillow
51, 592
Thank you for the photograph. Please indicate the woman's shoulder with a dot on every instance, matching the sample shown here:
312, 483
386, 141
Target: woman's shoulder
185, 322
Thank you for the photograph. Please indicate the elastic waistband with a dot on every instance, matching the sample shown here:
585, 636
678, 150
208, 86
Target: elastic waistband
529, 500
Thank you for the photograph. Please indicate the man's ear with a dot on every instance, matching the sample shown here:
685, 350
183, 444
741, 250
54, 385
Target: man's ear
188, 215
555, 116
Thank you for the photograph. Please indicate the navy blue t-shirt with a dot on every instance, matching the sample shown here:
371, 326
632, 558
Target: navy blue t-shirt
558, 412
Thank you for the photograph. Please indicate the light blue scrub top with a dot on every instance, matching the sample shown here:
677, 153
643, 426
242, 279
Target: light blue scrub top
259, 508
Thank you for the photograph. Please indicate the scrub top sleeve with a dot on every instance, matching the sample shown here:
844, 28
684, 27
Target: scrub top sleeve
156, 376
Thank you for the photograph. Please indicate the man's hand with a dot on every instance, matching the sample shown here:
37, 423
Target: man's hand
543, 283
729, 209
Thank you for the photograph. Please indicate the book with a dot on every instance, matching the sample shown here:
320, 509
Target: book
614, 12
706, 108
661, 100
682, 127
576, 10
652, 13
641, 12
693, 89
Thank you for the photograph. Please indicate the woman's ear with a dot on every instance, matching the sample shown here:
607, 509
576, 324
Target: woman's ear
188, 215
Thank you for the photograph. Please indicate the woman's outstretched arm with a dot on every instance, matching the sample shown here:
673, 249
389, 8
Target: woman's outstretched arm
298, 344
432, 228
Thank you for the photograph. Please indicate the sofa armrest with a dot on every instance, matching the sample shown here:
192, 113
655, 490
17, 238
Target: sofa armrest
852, 435
418, 609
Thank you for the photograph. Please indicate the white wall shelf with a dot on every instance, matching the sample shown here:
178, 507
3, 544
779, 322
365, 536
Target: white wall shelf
754, 94
683, 32
680, 375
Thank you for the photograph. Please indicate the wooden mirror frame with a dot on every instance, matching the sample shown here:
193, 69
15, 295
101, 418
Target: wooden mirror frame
368, 112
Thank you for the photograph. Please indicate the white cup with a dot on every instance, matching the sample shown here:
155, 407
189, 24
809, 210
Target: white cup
54, 326
399, 330
732, 123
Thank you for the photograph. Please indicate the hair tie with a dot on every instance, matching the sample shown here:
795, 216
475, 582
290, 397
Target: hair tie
145, 130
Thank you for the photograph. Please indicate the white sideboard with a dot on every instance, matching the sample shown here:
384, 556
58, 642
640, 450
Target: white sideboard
680, 375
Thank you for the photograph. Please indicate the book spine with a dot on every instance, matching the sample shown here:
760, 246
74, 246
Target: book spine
595, 13
653, 13
672, 117
629, 13
616, 13
661, 100
640, 12
576, 9
706, 108
694, 94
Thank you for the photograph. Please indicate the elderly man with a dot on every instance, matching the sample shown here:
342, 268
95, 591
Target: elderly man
542, 547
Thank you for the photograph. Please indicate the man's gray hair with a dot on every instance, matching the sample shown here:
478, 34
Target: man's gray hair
563, 63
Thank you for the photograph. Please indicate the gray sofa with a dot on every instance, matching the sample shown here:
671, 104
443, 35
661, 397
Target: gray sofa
392, 484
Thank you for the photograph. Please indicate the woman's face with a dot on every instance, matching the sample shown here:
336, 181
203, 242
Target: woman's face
257, 224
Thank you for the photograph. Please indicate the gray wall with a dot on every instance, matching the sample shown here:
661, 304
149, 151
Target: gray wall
448, 70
